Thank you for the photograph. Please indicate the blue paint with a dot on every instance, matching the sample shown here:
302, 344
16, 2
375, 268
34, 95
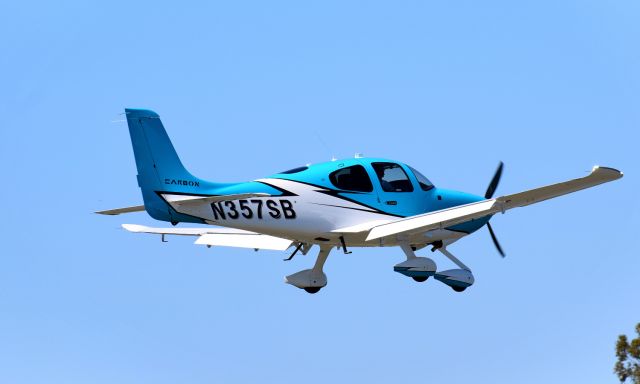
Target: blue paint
161, 171
407, 271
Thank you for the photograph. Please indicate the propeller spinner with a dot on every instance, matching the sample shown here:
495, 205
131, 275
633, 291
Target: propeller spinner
491, 189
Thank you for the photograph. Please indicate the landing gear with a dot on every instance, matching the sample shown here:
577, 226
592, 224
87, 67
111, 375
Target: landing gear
417, 268
421, 268
457, 279
311, 280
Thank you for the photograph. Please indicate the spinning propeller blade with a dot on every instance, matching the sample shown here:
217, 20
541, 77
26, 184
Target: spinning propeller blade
493, 185
495, 240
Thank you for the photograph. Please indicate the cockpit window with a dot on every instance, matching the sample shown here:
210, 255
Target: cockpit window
353, 178
392, 177
425, 184
294, 170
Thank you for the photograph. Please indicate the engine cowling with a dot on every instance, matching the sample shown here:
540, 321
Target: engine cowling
457, 279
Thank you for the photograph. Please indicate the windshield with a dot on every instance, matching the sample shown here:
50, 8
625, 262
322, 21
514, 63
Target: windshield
392, 177
425, 184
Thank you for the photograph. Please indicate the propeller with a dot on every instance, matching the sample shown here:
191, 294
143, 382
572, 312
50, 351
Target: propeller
491, 189
495, 240
493, 185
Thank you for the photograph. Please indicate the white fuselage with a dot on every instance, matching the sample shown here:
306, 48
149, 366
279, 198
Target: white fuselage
310, 216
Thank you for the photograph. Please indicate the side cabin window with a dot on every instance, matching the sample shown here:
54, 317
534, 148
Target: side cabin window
392, 177
294, 170
354, 178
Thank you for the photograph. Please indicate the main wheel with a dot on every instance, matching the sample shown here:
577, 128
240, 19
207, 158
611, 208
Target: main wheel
459, 289
312, 289
420, 279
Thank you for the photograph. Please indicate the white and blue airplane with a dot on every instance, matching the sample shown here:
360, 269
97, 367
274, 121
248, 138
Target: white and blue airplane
358, 202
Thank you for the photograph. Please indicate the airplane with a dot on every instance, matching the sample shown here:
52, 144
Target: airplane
342, 204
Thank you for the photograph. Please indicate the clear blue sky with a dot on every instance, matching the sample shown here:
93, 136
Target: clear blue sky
246, 89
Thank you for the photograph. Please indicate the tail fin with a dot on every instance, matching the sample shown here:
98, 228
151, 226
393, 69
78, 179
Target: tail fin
159, 167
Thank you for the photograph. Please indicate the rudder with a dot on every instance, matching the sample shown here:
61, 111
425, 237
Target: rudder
159, 167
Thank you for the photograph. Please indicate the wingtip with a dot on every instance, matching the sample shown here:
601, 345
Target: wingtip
615, 173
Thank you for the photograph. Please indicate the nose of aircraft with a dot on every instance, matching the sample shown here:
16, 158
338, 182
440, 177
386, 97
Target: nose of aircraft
450, 198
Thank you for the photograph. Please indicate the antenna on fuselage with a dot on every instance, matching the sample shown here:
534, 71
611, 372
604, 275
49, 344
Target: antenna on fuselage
119, 120
333, 158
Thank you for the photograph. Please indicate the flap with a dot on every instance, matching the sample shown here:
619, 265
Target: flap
255, 241
225, 237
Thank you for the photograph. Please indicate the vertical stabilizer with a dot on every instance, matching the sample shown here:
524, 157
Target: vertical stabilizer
159, 167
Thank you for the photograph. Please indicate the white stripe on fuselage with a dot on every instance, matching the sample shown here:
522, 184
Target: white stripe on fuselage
316, 213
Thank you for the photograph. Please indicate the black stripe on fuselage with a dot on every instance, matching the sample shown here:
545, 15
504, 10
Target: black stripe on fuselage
342, 206
159, 193
336, 193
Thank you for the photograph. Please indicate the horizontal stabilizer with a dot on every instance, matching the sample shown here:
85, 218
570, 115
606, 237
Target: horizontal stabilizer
118, 211
458, 215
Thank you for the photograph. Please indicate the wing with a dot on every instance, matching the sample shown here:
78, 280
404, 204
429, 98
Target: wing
226, 237
457, 215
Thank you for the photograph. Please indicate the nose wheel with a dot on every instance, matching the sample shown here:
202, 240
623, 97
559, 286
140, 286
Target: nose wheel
421, 268
457, 279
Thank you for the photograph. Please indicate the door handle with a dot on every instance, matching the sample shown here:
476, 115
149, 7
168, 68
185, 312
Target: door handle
391, 202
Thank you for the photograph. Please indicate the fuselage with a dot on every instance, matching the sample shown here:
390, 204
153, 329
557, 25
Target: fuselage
316, 203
